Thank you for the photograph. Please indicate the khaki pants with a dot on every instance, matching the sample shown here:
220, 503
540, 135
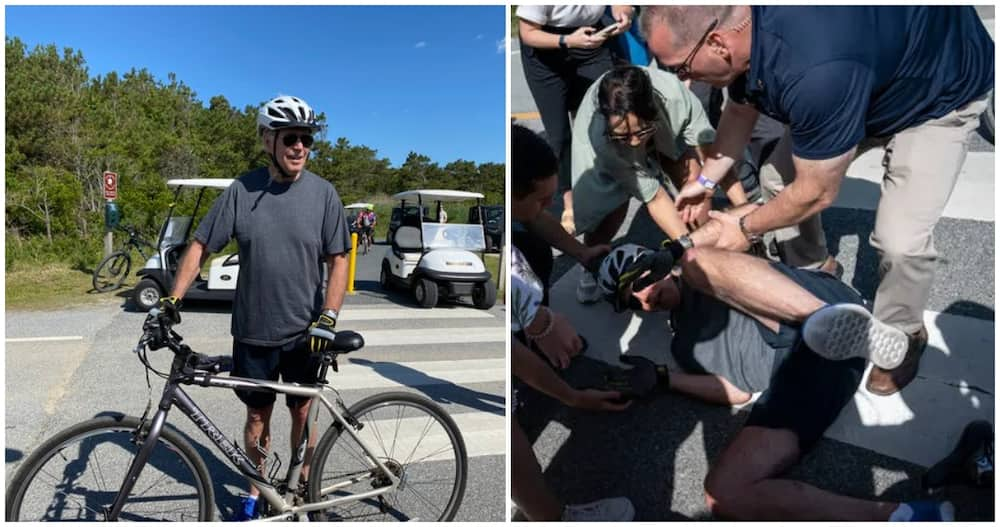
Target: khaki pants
922, 164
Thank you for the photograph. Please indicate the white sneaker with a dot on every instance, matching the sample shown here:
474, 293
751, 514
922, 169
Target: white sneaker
842, 331
606, 510
587, 291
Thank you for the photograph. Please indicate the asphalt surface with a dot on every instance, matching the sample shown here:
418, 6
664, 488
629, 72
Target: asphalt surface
458, 361
659, 452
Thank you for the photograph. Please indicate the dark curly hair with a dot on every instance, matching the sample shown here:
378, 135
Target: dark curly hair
532, 160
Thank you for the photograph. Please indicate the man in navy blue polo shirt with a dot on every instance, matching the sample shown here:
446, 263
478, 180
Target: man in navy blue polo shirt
911, 79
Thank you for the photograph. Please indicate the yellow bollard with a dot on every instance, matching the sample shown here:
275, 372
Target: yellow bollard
353, 263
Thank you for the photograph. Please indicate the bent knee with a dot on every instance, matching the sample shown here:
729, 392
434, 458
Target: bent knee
722, 494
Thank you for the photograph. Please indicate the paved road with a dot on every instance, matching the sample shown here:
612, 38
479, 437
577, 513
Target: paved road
451, 354
658, 453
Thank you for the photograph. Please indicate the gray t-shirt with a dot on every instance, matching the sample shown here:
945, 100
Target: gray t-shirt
284, 232
711, 337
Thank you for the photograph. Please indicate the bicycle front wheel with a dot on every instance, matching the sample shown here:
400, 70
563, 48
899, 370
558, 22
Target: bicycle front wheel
415, 439
111, 272
75, 476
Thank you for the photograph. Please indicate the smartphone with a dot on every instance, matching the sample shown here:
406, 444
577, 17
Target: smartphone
607, 30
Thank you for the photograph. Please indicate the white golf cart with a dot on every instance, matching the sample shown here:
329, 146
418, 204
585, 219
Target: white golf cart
159, 271
438, 260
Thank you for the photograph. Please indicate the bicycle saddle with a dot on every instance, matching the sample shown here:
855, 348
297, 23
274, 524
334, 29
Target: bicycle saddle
347, 341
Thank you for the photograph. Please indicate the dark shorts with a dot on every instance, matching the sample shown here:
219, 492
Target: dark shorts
807, 392
267, 363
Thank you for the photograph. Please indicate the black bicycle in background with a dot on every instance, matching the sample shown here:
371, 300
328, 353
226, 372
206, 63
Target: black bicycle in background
111, 272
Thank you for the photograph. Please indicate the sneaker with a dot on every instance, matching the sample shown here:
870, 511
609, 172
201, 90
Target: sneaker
887, 382
971, 461
587, 291
842, 331
924, 511
249, 510
606, 510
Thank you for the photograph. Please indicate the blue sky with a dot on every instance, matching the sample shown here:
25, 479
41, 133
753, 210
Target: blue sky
395, 78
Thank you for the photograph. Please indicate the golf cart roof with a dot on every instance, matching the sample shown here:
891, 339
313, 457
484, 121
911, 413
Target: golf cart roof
360, 206
437, 195
204, 182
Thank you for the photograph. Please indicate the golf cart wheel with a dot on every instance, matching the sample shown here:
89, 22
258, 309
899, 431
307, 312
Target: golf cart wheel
484, 295
383, 277
426, 292
146, 294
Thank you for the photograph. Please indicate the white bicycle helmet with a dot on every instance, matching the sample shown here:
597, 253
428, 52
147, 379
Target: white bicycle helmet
619, 259
286, 111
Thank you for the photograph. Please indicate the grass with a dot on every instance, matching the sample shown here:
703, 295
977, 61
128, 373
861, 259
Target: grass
491, 261
52, 286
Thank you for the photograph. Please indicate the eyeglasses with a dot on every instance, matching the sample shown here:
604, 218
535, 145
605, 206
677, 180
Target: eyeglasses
641, 135
684, 70
289, 140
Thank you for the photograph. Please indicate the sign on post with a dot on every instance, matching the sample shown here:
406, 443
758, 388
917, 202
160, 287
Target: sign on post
110, 185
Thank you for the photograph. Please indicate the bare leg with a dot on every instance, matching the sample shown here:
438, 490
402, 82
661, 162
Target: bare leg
742, 484
709, 388
749, 284
300, 414
607, 228
528, 487
257, 431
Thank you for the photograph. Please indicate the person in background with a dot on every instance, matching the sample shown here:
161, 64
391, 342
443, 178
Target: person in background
563, 52
845, 79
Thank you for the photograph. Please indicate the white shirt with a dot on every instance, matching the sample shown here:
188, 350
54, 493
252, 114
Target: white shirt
561, 15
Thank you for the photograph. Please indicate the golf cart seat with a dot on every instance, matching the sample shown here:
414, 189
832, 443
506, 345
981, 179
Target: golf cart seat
407, 240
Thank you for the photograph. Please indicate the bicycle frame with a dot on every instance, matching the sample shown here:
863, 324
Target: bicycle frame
174, 395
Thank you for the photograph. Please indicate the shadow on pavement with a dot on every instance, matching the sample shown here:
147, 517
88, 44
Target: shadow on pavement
438, 390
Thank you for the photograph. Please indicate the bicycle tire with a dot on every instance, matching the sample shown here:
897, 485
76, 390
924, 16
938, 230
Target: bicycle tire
111, 272
437, 462
173, 470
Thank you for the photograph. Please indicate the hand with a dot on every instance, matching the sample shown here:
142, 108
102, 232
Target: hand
658, 265
590, 399
584, 38
623, 15
731, 237
692, 193
168, 311
562, 343
591, 257
321, 333
695, 213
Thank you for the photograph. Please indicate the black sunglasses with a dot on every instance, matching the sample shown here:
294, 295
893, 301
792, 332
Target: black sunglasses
641, 135
684, 70
290, 139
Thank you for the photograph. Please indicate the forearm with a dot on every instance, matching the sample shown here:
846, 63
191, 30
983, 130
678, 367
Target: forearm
734, 189
194, 257
547, 227
664, 213
336, 285
533, 35
814, 188
529, 367
735, 128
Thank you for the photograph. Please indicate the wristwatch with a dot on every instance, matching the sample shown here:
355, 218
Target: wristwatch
751, 237
685, 242
562, 42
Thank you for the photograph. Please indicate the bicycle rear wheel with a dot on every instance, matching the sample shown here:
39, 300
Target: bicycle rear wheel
415, 439
111, 272
75, 476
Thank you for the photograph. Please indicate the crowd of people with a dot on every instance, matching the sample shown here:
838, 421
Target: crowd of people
769, 104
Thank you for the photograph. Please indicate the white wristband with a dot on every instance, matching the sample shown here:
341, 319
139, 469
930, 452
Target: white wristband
705, 182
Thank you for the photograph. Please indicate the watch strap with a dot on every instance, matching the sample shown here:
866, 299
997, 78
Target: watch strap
562, 42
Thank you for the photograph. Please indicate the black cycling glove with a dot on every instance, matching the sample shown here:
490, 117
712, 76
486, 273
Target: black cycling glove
321, 332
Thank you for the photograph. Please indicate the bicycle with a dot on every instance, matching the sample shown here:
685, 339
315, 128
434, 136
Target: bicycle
140, 468
111, 272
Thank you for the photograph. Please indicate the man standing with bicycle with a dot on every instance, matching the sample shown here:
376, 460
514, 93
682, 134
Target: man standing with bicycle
288, 222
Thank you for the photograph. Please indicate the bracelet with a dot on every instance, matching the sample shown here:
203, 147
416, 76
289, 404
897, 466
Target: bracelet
546, 330
562, 42
705, 182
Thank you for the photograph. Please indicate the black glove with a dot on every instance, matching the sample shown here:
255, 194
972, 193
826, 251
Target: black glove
638, 382
321, 332
168, 310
